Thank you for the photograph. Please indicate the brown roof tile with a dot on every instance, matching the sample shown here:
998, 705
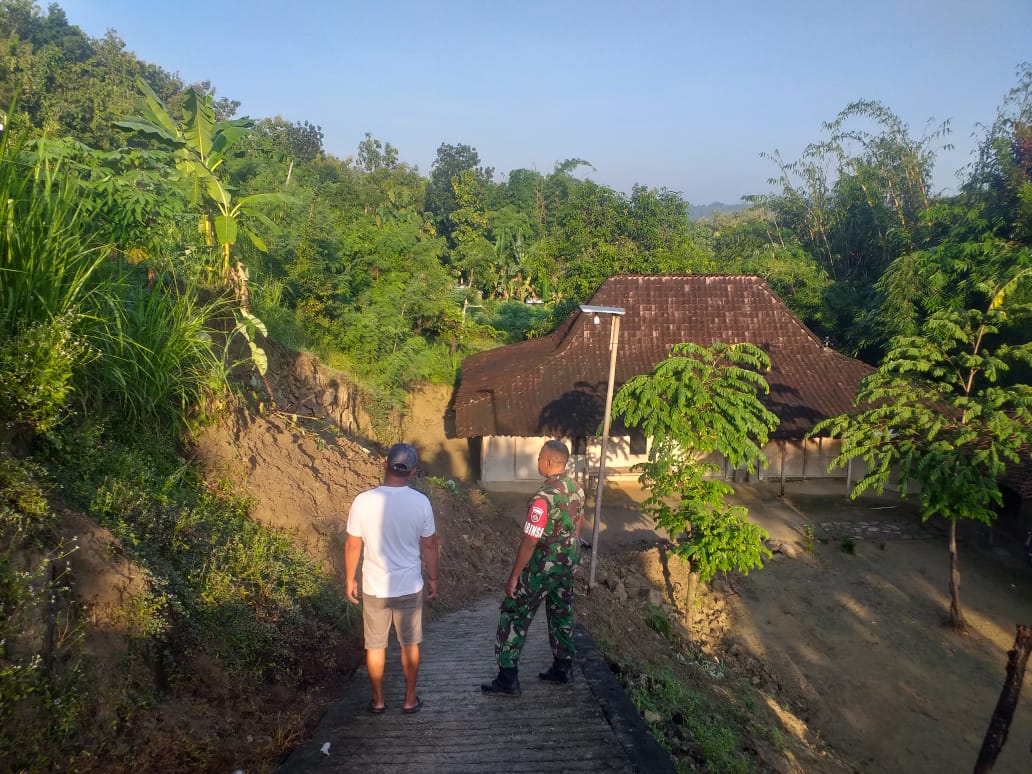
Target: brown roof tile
557, 384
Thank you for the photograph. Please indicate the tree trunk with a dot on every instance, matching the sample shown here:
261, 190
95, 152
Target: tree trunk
243, 291
999, 725
689, 605
956, 617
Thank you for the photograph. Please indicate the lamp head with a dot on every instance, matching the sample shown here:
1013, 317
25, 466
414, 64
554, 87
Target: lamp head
597, 310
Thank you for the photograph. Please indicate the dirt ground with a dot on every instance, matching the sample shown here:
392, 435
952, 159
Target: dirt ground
851, 636
845, 638
856, 628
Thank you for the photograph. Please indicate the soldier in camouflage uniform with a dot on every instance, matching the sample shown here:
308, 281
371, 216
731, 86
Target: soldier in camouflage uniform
543, 571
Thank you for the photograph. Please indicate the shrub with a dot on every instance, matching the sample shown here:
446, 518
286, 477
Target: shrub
36, 368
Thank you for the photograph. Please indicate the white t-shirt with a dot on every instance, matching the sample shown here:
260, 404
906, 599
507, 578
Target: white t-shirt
391, 520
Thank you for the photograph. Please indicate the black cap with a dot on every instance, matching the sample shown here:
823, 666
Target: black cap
402, 458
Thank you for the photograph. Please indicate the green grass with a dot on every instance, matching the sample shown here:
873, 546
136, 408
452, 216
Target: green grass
692, 716
808, 537
657, 619
216, 583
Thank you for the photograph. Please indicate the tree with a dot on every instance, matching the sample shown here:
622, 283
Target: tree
1001, 178
287, 143
749, 242
856, 201
981, 235
699, 402
451, 162
374, 155
199, 147
951, 273
523, 191
68, 84
936, 417
473, 254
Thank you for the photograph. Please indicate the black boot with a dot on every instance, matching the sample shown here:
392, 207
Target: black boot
507, 683
561, 671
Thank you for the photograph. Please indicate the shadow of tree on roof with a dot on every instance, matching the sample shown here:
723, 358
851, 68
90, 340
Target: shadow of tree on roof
576, 413
794, 415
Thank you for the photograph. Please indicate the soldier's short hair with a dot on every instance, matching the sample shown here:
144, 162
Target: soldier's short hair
558, 450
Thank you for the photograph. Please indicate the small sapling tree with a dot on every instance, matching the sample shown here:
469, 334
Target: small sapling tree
940, 417
701, 402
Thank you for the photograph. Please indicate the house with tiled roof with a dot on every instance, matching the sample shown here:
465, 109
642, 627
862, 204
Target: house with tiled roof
1016, 488
511, 398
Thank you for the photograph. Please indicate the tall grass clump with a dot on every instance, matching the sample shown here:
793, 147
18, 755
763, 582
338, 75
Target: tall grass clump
47, 265
76, 318
157, 359
47, 273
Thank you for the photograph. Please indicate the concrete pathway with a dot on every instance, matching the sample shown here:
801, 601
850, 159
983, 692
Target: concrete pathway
588, 726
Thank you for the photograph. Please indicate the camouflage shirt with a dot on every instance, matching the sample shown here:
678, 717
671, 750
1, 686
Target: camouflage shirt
552, 518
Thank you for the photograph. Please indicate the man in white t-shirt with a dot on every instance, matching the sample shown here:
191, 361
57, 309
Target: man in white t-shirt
392, 529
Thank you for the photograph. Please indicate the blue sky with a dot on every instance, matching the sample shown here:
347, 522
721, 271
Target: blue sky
680, 95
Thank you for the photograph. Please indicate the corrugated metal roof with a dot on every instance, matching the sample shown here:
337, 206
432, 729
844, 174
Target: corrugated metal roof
556, 385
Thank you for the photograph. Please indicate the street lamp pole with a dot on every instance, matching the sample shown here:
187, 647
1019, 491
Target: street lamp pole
615, 313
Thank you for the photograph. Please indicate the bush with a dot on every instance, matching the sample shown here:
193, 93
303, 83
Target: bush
519, 321
36, 368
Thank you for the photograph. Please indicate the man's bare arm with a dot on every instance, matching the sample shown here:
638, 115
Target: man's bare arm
352, 554
430, 548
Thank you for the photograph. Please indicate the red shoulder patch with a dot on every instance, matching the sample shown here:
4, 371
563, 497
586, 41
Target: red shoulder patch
537, 518
538, 511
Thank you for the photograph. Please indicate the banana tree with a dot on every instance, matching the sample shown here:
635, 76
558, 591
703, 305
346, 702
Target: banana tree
199, 146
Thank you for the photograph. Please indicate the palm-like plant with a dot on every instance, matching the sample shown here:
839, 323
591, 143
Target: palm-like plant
200, 145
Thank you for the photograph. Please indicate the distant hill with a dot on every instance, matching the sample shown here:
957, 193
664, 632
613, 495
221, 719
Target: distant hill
699, 211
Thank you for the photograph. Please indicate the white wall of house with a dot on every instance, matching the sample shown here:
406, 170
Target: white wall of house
513, 460
507, 458
810, 458
619, 457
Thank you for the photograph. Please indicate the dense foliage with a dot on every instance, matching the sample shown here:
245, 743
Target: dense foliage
150, 239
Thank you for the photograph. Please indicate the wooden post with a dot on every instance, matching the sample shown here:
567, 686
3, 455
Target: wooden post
614, 341
783, 443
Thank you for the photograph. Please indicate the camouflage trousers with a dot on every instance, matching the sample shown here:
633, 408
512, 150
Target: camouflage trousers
555, 589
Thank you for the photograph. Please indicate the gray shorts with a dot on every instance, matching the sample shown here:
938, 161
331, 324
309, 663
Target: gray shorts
405, 613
